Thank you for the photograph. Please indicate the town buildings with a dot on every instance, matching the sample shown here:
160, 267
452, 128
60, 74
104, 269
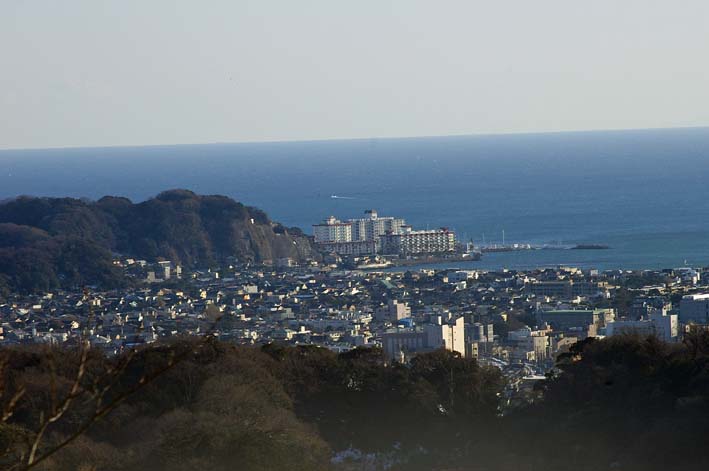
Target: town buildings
490, 315
694, 308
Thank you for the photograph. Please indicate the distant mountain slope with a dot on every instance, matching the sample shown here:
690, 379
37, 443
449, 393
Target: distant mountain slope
50, 242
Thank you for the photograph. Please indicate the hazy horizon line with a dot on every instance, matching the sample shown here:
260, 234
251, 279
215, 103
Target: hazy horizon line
349, 139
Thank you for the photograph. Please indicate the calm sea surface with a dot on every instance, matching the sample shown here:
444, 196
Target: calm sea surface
644, 193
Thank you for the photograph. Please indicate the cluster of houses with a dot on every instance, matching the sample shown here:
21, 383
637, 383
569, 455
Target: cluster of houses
505, 317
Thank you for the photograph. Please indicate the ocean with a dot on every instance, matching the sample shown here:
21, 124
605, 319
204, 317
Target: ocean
644, 193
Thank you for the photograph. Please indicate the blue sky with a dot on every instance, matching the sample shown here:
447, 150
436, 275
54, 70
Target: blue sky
94, 73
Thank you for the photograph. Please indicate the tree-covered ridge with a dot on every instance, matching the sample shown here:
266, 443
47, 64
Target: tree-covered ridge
51, 242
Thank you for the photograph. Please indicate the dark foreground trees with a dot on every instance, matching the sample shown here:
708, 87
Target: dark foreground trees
625, 403
202, 404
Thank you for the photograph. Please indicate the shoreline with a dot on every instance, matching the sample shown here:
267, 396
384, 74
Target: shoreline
431, 260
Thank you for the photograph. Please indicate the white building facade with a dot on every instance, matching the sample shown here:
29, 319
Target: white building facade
410, 242
449, 335
371, 227
332, 230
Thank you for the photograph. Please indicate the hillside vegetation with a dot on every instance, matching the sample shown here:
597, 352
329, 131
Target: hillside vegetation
623, 403
47, 243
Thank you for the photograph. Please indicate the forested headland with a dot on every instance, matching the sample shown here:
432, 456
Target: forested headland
50, 243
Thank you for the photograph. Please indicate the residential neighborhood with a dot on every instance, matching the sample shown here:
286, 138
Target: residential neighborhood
509, 318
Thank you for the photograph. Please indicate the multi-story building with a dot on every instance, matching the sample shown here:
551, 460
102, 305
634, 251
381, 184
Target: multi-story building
410, 242
397, 345
659, 323
530, 344
449, 334
374, 234
565, 289
355, 236
393, 311
332, 230
371, 227
554, 289
643, 306
694, 308
575, 318
479, 332
354, 248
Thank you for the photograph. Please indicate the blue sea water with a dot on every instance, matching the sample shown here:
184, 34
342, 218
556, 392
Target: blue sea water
644, 193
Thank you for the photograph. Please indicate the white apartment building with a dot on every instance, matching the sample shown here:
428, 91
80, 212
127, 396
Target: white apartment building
332, 230
388, 235
410, 242
371, 227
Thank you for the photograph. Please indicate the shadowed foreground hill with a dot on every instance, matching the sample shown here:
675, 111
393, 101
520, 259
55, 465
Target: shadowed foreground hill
51, 242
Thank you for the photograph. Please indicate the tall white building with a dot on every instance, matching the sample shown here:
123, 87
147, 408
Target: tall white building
332, 230
449, 334
371, 227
